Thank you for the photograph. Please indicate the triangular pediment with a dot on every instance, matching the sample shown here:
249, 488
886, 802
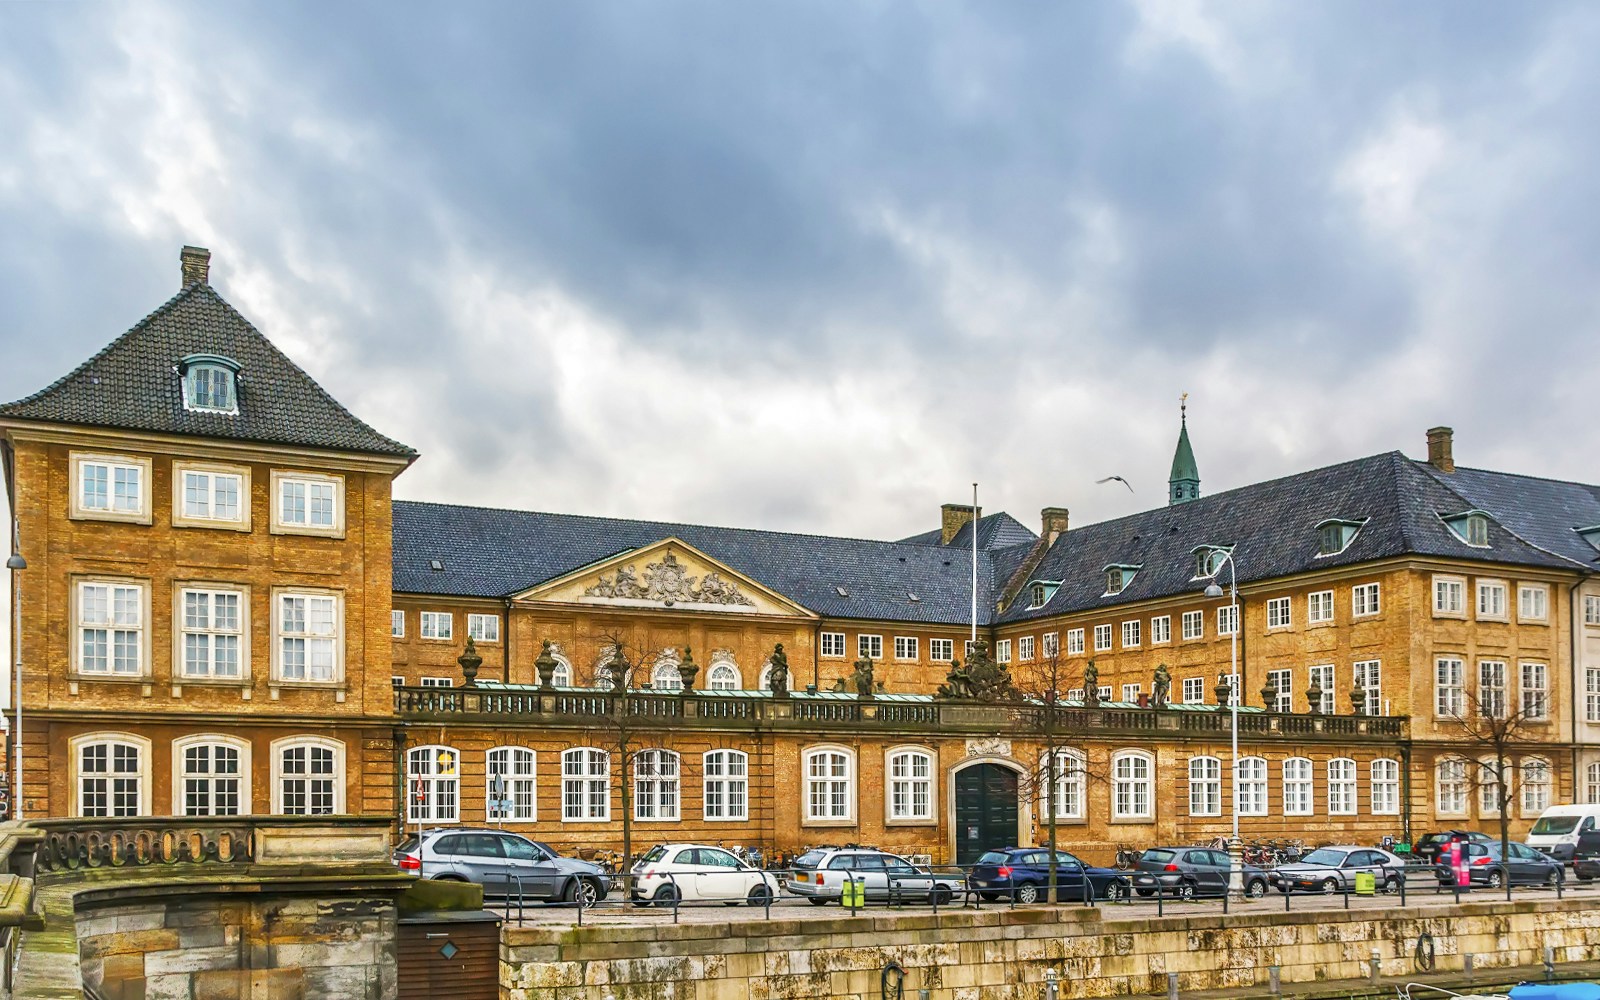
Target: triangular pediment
670, 573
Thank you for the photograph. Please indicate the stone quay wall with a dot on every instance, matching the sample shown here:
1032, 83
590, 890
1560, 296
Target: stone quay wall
1005, 954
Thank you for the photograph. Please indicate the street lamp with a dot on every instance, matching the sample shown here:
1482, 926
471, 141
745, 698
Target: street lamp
1235, 873
17, 564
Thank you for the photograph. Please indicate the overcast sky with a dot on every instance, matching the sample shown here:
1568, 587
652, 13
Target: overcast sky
819, 266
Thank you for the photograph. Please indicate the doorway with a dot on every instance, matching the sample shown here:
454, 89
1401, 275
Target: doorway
986, 810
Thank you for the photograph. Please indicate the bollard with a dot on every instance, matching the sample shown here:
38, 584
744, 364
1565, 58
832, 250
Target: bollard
1374, 964
1466, 965
1050, 990
1274, 980
1549, 964
1172, 986
924, 994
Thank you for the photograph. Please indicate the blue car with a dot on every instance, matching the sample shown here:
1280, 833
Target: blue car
1024, 871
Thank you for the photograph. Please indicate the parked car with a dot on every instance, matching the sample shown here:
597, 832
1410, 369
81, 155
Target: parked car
1428, 846
503, 863
1193, 871
1487, 866
1025, 871
819, 876
1557, 830
1586, 856
1334, 869
673, 872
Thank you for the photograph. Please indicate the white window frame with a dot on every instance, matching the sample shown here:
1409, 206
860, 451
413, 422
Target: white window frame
1205, 786
1326, 676
77, 510
1344, 788
836, 759
725, 772
1299, 787
1384, 776
1533, 602
140, 630
1449, 687
1591, 609
484, 629
1025, 649
1451, 789
1496, 595
658, 795
429, 626
397, 624
1002, 650
1280, 613
902, 784
1131, 692
279, 636
1050, 645
1493, 694
1133, 793
1283, 685
519, 769
869, 646
142, 774
1132, 634
1319, 607
1368, 676
1194, 624
433, 784
664, 675
1534, 690
181, 776
831, 646
1074, 642
1194, 690
430, 681
1102, 638
213, 476
1228, 619
1591, 694
336, 778
723, 673
1489, 803
281, 525
941, 650
905, 647
1449, 596
1250, 786
1067, 797
1538, 782
1591, 783
1160, 630
181, 631
1366, 600
586, 774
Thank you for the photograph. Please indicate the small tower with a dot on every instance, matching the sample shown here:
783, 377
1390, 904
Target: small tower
1184, 483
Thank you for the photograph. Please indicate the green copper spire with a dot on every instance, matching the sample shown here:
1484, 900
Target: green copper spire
1184, 483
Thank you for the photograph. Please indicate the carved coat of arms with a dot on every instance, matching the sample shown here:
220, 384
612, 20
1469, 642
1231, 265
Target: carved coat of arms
669, 582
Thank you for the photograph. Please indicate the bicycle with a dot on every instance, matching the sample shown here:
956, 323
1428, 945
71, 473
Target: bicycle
1127, 857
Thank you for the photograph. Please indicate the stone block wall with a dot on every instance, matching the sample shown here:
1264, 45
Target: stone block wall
1003, 955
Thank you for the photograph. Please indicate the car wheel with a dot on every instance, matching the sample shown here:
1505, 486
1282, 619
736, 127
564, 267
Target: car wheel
1391, 886
667, 895
1550, 879
1495, 880
1027, 892
990, 896
941, 895
1256, 888
1116, 891
1185, 891
759, 894
1330, 885
816, 901
1584, 878
582, 892
1146, 893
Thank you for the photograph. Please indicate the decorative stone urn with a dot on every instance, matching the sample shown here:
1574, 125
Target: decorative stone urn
1358, 701
1269, 695
470, 662
546, 665
1314, 698
688, 670
1224, 690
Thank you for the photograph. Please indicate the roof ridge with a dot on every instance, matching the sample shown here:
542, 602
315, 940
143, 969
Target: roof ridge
1427, 471
1515, 475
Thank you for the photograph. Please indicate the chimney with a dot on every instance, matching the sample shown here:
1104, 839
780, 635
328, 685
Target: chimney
1055, 523
953, 516
1440, 452
196, 266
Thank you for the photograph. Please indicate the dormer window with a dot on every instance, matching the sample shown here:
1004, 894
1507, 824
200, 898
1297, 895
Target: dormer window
1208, 559
1471, 526
1118, 576
1590, 535
209, 383
1040, 592
1335, 535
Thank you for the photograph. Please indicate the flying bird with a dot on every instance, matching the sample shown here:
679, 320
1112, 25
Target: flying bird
1117, 479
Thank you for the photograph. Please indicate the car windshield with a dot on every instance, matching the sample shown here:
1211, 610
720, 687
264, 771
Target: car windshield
655, 854
993, 858
1324, 856
1552, 826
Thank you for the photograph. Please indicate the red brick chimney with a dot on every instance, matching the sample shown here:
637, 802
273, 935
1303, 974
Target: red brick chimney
1440, 452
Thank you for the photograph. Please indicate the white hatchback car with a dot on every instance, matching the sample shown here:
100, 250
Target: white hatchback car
695, 872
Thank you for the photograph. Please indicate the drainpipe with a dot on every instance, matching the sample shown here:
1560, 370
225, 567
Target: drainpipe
1405, 789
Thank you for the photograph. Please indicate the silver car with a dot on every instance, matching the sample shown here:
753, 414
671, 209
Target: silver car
1334, 869
504, 864
819, 876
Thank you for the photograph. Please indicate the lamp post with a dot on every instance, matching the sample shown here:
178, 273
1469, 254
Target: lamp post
1235, 851
17, 564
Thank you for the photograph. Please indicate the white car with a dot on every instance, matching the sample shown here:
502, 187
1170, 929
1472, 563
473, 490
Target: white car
696, 872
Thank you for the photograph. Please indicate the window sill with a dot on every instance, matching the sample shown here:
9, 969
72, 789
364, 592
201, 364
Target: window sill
837, 824
900, 823
1134, 821
305, 532
212, 525
109, 516
275, 688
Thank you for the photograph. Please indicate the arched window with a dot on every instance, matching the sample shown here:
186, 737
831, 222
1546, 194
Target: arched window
1205, 786
112, 774
1298, 796
1535, 785
433, 784
307, 776
1251, 786
211, 776
1450, 787
1131, 796
664, 674
509, 774
1592, 782
727, 785
1385, 787
563, 672
724, 672
1068, 787
910, 784
602, 670
655, 785
829, 784
1341, 787
585, 785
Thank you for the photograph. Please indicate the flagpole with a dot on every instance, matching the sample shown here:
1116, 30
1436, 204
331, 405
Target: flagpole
974, 567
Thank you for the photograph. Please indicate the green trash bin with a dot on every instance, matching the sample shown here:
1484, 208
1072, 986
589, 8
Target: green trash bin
1366, 883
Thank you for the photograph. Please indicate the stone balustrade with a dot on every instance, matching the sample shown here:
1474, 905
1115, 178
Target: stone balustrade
66, 845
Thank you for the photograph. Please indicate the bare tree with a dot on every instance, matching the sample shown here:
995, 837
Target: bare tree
1495, 742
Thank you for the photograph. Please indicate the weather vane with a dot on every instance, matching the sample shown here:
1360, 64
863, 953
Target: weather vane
1183, 406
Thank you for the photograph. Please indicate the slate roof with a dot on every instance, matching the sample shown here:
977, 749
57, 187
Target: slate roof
495, 553
995, 531
133, 384
1545, 512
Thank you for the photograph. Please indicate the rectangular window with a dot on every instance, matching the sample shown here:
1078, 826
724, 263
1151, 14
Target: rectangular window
1051, 645
1491, 600
309, 504
1298, 799
111, 629
1533, 603
1194, 690
828, 785
1321, 676
1492, 689
438, 625
1450, 787
585, 785
727, 785
1385, 787
944, 650
484, 628
1278, 613
307, 781
109, 780
433, 779
833, 643
437, 682
1319, 607
1235, 689
655, 785
1282, 682
212, 496
1002, 651
1364, 600
1074, 642
1102, 638
111, 489
211, 633
968, 646
1535, 786
1368, 678
1205, 786
1131, 791
509, 784
397, 624
1068, 783
308, 636
1591, 694
1130, 692
1535, 692
1250, 785
905, 647
1194, 624
1104, 692
1025, 648
1160, 630
1341, 787
869, 646
1591, 609
1228, 620
1449, 688
1130, 634
910, 786
210, 776
1449, 595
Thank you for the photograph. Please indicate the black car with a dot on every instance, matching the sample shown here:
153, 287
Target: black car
1488, 867
1187, 872
1024, 871
1428, 846
1586, 856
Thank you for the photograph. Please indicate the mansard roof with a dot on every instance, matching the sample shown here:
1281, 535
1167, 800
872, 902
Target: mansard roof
1546, 512
133, 384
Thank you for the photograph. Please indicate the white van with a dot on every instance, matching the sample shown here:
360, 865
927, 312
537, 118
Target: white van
1556, 832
